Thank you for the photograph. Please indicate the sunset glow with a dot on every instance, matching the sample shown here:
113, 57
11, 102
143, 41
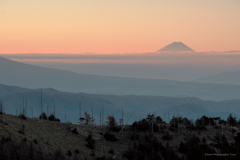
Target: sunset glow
106, 26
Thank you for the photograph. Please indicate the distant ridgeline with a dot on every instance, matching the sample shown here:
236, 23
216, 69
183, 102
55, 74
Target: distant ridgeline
14, 99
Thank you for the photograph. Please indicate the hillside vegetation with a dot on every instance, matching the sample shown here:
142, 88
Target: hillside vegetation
149, 138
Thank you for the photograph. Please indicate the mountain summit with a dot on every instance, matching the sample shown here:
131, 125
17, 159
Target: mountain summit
176, 47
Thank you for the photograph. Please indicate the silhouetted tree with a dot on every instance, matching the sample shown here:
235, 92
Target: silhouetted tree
87, 118
1, 108
111, 121
43, 116
232, 121
52, 117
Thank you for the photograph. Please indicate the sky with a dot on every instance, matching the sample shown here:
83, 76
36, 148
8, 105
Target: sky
109, 26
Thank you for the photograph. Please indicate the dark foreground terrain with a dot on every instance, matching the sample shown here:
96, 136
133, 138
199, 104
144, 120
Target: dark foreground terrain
147, 139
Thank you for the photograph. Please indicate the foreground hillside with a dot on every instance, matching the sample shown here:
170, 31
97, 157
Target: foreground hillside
166, 142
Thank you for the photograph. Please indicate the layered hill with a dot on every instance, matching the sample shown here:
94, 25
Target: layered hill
29, 76
232, 78
68, 104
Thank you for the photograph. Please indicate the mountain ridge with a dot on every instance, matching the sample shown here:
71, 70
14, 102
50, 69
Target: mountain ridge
176, 47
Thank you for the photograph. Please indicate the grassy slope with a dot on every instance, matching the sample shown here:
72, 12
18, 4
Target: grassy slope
54, 135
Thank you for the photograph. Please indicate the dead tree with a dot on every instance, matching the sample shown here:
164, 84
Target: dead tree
54, 111
26, 106
23, 108
41, 101
100, 117
126, 122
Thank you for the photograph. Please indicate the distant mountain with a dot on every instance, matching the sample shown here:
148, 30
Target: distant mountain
68, 103
29, 76
222, 78
176, 47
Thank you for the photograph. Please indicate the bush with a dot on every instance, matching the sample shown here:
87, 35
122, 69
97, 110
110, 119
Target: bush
59, 155
190, 127
74, 131
110, 137
22, 116
115, 128
92, 154
144, 125
52, 117
111, 151
134, 137
91, 142
111, 121
69, 153
76, 151
21, 130
43, 116
167, 136
35, 141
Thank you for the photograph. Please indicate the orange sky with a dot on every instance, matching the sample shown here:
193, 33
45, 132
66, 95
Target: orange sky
109, 26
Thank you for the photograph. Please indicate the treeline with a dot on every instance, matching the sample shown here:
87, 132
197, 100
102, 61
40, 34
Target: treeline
146, 145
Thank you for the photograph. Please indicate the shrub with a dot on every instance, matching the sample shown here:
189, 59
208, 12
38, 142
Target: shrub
76, 151
190, 127
115, 128
74, 131
21, 130
111, 151
22, 116
144, 125
43, 116
111, 121
58, 155
69, 153
134, 137
92, 154
91, 142
52, 117
167, 136
87, 118
110, 137
183, 148
35, 141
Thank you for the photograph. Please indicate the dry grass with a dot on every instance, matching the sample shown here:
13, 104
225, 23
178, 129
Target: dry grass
59, 135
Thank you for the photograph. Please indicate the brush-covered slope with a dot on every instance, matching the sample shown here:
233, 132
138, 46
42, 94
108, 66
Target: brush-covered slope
42, 136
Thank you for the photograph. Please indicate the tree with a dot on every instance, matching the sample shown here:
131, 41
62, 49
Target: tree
111, 121
52, 117
43, 116
87, 118
1, 108
232, 120
158, 119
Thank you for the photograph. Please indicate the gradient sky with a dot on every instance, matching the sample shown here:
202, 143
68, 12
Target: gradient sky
110, 26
